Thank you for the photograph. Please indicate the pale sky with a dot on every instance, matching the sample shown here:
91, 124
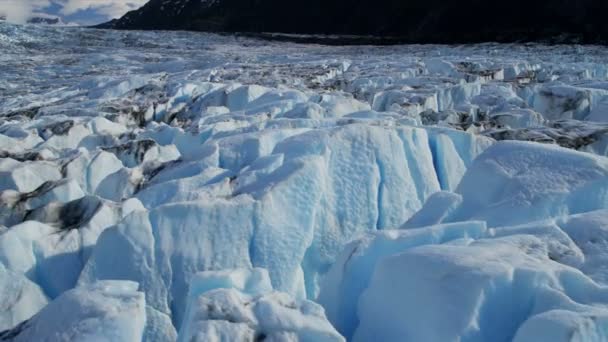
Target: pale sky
85, 12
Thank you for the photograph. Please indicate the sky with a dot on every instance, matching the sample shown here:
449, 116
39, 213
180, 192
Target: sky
83, 12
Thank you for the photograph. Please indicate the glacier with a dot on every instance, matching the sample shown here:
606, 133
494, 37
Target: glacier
105, 311
240, 304
174, 186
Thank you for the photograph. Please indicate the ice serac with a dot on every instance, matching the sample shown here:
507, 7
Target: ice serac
183, 238
350, 275
484, 290
437, 208
104, 311
562, 325
589, 231
20, 298
580, 102
477, 283
453, 152
240, 304
518, 182
54, 243
26, 176
373, 177
290, 210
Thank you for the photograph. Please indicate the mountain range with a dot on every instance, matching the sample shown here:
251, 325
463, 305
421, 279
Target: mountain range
420, 21
41, 19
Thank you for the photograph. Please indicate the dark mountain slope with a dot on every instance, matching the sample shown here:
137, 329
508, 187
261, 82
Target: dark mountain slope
411, 20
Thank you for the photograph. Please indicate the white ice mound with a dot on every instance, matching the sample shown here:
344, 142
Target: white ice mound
565, 326
106, 311
253, 281
20, 298
353, 269
240, 305
26, 176
590, 233
586, 101
518, 182
437, 208
463, 281
483, 291
53, 244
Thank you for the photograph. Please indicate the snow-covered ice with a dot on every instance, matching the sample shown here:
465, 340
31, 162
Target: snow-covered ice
465, 281
163, 186
105, 311
481, 291
241, 305
519, 182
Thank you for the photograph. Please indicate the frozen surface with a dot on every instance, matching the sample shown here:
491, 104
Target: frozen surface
20, 298
482, 291
519, 182
240, 304
463, 281
353, 270
226, 172
105, 311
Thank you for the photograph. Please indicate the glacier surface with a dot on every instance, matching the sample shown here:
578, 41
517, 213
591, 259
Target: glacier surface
173, 186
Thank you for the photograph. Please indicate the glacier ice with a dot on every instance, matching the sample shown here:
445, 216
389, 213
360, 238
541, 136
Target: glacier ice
205, 172
351, 273
564, 325
20, 298
54, 242
241, 304
588, 231
467, 282
482, 291
105, 311
291, 217
524, 182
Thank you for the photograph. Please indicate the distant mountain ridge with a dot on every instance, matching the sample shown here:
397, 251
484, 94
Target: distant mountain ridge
42, 19
421, 21
46, 20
